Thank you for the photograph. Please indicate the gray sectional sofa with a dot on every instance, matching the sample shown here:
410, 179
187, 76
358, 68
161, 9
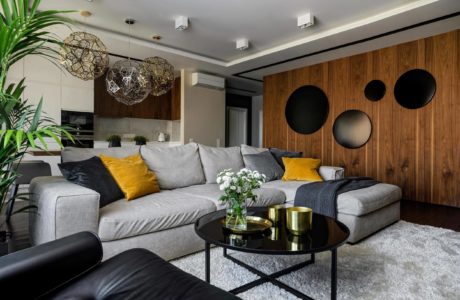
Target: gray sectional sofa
164, 222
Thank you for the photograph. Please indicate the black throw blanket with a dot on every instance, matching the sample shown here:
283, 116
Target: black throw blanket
321, 196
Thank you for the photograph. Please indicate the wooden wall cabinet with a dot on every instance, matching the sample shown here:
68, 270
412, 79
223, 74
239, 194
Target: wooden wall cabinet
164, 107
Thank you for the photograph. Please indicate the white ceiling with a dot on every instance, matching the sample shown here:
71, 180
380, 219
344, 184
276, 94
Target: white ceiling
270, 25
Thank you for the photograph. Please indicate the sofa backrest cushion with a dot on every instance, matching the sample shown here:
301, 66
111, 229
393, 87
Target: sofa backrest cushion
175, 167
215, 160
245, 149
77, 154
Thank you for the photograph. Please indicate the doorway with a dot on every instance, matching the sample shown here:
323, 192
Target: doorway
237, 124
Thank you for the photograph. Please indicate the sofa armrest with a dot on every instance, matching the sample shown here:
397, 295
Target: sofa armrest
47, 266
331, 173
63, 208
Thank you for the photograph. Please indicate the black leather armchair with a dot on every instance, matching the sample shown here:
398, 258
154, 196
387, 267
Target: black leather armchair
71, 268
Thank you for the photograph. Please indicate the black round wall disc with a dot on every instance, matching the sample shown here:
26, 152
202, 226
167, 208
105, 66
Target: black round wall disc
307, 109
375, 90
415, 89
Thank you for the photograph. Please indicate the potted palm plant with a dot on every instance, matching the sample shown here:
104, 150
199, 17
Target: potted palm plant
23, 32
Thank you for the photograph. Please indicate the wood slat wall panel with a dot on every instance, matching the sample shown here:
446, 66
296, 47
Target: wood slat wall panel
415, 149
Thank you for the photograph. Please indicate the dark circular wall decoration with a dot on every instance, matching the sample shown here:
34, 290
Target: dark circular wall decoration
375, 90
352, 129
307, 109
415, 88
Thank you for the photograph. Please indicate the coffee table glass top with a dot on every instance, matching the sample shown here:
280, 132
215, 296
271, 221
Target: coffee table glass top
325, 234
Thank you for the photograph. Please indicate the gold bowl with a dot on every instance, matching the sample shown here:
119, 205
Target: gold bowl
275, 213
298, 219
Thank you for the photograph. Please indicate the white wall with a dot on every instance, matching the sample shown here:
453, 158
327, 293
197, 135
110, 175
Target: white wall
202, 113
257, 119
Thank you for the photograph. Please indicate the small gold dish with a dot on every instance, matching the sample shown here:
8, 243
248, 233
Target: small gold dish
275, 213
254, 225
298, 219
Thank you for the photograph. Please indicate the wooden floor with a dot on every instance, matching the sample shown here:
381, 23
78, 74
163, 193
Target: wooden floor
411, 211
430, 214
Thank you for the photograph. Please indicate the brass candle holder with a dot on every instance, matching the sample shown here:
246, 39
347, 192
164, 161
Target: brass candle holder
299, 219
275, 213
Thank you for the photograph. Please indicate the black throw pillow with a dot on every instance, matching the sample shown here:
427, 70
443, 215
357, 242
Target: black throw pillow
278, 154
92, 174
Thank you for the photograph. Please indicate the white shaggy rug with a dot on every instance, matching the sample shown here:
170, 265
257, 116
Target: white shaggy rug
404, 261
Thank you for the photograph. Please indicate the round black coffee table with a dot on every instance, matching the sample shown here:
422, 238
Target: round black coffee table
326, 234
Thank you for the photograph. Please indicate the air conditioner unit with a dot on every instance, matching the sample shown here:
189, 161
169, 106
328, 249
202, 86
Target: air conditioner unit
209, 81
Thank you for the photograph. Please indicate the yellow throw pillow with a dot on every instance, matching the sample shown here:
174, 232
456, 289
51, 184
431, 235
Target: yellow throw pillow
302, 169
132, 175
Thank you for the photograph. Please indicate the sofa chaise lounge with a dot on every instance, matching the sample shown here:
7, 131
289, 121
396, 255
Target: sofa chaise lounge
164, 222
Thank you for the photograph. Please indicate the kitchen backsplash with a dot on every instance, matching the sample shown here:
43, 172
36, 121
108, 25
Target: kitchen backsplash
105, 127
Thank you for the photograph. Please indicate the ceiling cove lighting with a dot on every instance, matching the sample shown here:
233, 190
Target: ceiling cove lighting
242, 44
305, 21
181, 23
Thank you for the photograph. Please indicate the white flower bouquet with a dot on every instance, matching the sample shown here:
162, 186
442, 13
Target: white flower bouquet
238, 188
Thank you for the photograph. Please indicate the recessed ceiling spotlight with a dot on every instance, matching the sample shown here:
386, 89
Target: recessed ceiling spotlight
242, 44
181, 23
130, 21
305, 21
90, 0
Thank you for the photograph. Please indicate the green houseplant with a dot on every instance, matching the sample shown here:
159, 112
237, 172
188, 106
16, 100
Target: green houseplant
114, 141
23, 32
140, 140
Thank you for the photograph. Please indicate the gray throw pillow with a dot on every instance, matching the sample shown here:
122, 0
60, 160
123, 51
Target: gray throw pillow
278, 154
264, 163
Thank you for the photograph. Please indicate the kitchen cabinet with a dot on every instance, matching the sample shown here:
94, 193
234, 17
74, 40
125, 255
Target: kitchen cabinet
160, 107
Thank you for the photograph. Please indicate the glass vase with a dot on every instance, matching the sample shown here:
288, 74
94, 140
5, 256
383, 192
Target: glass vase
236, 215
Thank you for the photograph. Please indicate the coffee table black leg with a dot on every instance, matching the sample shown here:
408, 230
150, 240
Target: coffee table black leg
207, 251
334, 274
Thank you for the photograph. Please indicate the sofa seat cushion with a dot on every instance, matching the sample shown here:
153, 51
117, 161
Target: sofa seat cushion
357, 202
289, 188
211, 192
151, 213
363, 201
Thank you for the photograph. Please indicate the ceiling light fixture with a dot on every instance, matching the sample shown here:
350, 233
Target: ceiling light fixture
181, 23
127, 81
305, 21
242, 44
84, 55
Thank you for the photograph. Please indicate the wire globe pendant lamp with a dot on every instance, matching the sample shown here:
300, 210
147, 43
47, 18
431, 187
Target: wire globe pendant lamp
128, 81
162, 74
84, 55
